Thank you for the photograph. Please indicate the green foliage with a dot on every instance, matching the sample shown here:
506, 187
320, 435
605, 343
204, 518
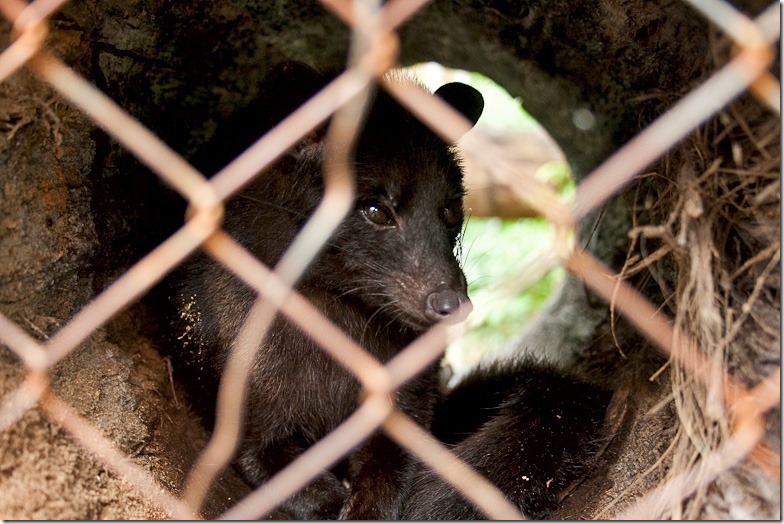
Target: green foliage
496, 252
560, 176
501, 110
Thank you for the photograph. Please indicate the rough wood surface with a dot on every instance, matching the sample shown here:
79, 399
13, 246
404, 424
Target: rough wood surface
76, 210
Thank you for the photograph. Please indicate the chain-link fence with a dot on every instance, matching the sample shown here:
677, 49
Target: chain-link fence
373, 52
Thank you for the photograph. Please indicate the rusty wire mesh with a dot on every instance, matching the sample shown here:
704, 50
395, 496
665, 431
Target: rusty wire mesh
373, 51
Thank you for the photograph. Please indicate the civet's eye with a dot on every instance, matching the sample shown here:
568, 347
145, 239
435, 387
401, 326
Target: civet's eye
453, 213
378, 214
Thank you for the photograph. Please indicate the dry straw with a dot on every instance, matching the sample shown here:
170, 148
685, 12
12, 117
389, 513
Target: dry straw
721, 418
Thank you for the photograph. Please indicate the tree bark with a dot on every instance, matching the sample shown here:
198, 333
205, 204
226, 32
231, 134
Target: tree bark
77, 210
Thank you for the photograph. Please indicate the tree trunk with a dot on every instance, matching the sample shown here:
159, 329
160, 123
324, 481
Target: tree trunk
77, 210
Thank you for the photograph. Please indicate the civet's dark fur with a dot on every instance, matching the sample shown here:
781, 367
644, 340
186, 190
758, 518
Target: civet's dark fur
524, 426
384, 282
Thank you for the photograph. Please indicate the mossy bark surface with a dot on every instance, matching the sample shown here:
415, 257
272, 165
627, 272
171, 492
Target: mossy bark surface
76, 210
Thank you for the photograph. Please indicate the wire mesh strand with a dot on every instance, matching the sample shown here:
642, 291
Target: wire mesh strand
374, 51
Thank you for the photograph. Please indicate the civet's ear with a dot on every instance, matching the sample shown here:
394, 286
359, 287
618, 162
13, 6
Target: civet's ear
284, 88
288, 85
464, 98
